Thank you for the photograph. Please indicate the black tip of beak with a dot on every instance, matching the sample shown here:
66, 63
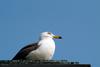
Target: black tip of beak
60, 37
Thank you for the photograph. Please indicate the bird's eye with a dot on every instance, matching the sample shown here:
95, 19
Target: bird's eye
49, 33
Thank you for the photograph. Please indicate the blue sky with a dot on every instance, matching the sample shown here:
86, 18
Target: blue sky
77, 21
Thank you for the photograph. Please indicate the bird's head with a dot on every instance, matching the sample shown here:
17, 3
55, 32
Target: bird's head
49, 35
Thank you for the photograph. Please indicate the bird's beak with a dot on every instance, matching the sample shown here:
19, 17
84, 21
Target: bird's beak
57, 37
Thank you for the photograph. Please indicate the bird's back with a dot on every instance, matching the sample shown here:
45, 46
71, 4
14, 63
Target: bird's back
21, 55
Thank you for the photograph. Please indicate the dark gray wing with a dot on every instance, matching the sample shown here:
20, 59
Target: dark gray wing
21, 55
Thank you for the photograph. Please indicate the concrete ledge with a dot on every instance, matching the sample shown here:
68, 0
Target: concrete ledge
37, 63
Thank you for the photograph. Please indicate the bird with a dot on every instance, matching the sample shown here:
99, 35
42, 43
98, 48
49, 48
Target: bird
43, 49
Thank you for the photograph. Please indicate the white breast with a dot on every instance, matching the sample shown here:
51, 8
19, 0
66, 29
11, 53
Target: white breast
44, 52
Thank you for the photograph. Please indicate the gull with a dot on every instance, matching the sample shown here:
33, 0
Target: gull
42, 50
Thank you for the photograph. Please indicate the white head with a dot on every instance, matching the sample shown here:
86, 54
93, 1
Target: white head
49, 35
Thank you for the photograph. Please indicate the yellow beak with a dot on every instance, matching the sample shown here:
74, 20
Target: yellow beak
57, 37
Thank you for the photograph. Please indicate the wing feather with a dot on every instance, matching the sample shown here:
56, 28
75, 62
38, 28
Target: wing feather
21, 55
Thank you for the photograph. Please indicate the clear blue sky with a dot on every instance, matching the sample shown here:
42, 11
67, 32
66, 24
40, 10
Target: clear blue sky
77, 21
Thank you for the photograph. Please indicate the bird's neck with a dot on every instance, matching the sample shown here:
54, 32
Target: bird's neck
47, 40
